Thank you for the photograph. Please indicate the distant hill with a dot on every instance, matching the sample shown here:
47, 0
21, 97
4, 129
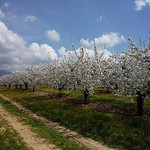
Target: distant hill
2, 72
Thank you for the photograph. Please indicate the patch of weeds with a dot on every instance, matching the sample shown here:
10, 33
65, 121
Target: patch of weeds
50, 135
101, 95
9, 138
121, 132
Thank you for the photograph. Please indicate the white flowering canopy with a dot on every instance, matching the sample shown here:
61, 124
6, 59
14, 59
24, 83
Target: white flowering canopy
134, 71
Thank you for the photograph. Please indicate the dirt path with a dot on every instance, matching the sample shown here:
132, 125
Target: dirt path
29, 137
89, 143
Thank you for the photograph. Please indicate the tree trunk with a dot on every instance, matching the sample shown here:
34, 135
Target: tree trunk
140, 101
60, 92
116, 86
86, 96
26, 86
148, 84
20, 86
9, 86
16, 86
5, 85
107, 89
33, 88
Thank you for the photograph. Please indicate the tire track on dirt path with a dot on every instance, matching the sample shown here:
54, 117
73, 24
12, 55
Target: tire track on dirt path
88, 142
28, 136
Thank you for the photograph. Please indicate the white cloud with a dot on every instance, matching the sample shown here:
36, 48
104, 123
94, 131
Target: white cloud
139, 4
14, 52
6, 4
9, 40
90, 52
85, 43
62, 51
30, 18
105, 41
100, 18
53, 35
41, 52
105, 52
1, 14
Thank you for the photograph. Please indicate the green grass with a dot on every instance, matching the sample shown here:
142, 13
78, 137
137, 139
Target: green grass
120, 132
50, 135
9, 138
102, 95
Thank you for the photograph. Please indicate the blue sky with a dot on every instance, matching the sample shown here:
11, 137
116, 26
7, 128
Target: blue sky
33, 30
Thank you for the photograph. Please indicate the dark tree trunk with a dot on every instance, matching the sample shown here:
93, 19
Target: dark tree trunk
86, 96
26, 86
9, 86
116, 86
107, 89
16, 86
60, 92
140, 101
5, 85
148, 84
33, 89
20, 86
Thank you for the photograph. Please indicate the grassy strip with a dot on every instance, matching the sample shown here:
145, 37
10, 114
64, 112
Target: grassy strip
51, 135
9, 138
101, 96
113, 130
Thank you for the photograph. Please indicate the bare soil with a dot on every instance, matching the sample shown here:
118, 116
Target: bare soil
88, 142
105, 107
28, 136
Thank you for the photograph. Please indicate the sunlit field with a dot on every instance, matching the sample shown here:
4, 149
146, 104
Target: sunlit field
9, 138
112, 129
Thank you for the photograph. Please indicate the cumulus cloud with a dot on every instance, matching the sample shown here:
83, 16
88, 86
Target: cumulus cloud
85, 43
14, 52
1, 14
139, 4
105, 53
102, 43
41, 52
62, 51
53, 35
9, 40
90, 52
6, 4
105, 41
30, 18
100, 18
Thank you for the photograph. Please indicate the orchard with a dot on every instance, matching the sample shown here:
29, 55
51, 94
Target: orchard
127, 73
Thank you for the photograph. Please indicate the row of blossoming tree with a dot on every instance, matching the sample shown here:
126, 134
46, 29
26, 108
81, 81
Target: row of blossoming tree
128, 72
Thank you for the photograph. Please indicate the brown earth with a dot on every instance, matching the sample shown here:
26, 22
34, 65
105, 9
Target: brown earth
88, 142
105, 107
25, 132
